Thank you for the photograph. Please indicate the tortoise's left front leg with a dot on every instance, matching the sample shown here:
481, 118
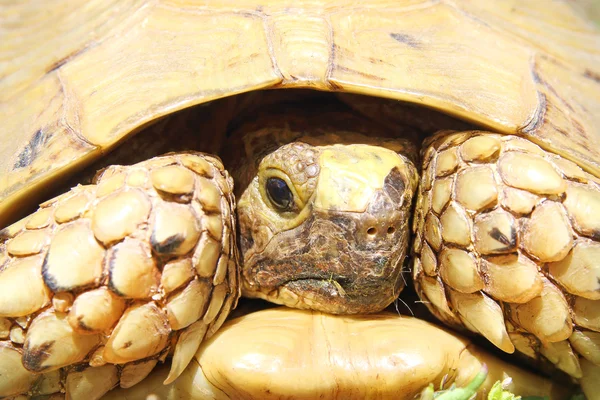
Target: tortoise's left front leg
507, 245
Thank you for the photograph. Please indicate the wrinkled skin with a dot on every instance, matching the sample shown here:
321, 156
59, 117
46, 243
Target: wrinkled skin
339, 246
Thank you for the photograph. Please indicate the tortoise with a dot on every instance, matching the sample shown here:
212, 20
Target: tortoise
102, 283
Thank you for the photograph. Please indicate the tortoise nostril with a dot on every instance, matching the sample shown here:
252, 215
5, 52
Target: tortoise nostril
391, 230
371, 231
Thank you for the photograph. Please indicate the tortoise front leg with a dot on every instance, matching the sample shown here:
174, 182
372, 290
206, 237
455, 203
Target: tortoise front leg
507, 245
104, 281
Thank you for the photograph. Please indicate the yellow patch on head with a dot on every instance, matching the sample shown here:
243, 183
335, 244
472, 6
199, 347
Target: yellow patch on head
350, 174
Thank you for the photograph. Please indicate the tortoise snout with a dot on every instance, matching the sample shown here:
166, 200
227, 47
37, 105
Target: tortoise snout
385, 220
381, 229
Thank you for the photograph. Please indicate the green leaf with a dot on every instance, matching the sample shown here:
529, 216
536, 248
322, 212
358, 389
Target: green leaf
478, 380
498, 393
427, 393
465, 393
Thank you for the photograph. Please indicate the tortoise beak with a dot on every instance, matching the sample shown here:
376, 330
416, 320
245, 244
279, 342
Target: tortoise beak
347, 257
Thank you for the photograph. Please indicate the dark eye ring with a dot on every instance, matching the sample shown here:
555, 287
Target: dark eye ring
279, 193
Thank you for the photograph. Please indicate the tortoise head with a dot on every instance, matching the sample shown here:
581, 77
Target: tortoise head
326, 227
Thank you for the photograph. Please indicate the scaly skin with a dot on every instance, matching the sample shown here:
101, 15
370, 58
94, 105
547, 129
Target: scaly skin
506, 245
106, 280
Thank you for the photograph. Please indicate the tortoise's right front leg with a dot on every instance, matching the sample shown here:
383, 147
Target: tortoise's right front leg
103, 282
507, 245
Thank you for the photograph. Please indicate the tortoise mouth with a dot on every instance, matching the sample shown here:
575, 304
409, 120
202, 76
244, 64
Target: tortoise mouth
331, 296
334, 295
318, 287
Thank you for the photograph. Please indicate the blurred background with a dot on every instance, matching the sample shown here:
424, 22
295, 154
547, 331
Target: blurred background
590, 7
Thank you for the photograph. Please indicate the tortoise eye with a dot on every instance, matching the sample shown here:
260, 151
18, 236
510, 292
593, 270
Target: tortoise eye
279, 193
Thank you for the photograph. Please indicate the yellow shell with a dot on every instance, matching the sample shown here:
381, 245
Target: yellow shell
78, 80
